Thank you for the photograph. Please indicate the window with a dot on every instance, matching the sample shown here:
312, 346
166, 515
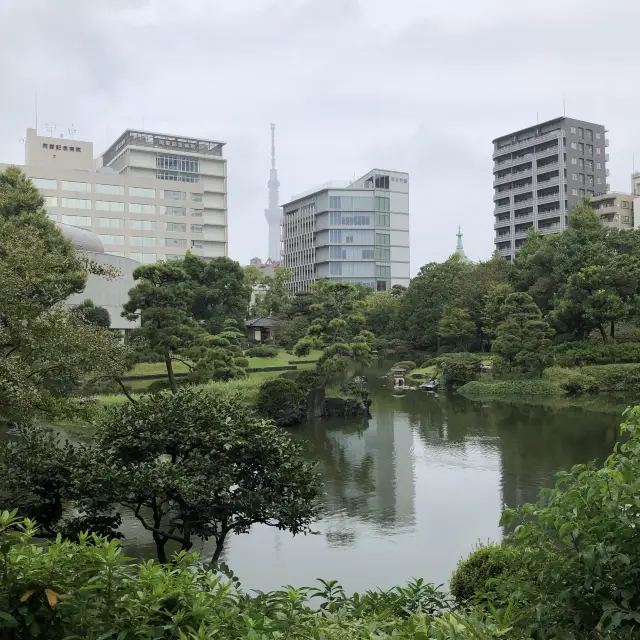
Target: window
597, 135
142, 192
351, 202
196, 197
44, 183
598, 180
580, 132
574, 145
195, 213
589, 134
173, 211
574, 176
625, 218
107, 205
383, 253
590, 180
581, 192
351, 253
589, 165
351, 268
625, 204
77, 221
383, 238
580, 147
175, 227
175, 242
110, 189
120, 254
173, 195
382, 204
581, 163
589, 149
383, 220
111, 239
383, 285
76, 203
142, 241
196, 244
350, 219
351, 236
177, 163
574, 192
582, 178
589, 192
68, 185
598, 151
598, 165
196, 228
174, 176
144, 258
574, 160
111, 223
383, 271
142, 225
573, 130
134, 207
382, 182
50, 201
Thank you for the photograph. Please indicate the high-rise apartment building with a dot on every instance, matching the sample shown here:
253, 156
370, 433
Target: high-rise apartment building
540, 172
354, 232
149, 197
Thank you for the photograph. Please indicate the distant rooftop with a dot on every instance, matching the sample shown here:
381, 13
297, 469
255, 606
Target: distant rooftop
162, 141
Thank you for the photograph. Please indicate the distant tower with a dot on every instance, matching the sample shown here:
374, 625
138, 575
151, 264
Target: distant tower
273, 214
459, 250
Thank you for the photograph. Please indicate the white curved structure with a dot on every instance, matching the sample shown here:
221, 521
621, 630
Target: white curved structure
108, 293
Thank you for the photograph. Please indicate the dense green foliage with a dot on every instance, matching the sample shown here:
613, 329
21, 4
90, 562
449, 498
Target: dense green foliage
511, 389
458, 369
46, 350
90, 313
279, 397
573, 354
261, 351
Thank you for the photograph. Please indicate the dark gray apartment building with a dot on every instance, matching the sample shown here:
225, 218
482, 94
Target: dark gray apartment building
540, 172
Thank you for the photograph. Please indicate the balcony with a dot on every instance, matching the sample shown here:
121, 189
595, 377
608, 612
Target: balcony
525, 144
503, 179
554, 228
524, 189
527, 217
606, 142
519, 175
545, 153
550, 166
504, 251
555, 197
501, 208
502, 194
549, 213
501, 237
500, 224
606, 157
551, 182
522, 233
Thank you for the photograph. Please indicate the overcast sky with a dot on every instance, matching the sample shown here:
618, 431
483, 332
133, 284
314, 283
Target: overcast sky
408, 85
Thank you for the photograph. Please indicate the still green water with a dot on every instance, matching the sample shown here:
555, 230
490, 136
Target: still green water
411, 490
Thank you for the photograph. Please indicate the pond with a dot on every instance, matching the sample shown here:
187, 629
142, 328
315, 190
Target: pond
411, 490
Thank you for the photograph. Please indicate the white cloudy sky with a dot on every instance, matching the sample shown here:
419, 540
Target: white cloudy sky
412, 85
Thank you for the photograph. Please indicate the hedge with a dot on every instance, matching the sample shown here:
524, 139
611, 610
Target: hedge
510, 389
261, 352
572, 354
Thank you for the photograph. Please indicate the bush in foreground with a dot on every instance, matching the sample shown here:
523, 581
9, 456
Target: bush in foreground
90, 590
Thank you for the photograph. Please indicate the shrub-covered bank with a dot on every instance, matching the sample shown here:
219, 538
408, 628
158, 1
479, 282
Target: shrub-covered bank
511, 389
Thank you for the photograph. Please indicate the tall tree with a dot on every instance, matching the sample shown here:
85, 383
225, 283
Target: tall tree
524, 339
44, 348
192, 465
456, 326
91, 313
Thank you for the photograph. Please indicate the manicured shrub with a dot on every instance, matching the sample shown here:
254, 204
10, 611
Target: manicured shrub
279, 397
308, 379
473, 575
241, 362
407, 364
615, 378
261, 352
573, 380
573, 354
458, 369
520, 389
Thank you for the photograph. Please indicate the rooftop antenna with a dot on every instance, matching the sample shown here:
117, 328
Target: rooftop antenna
564, 106
50, 128
72, 132
36, 105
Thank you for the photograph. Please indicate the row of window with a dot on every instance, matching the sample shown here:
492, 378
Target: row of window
151, 258
119, 207
351, 203
581, 192
352, 253
579, 131
114, 189
177, 163
378, 285
586, 164
144, 241
383, 220
342, 218
382, 203
354, 236
581, 147
119, 223
586, 180
352, 268
175, 176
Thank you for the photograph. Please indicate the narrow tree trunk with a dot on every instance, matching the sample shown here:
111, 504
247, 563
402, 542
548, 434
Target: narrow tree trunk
172, 378
218, 552
612, 331
603, 333
160, 552
124, 390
